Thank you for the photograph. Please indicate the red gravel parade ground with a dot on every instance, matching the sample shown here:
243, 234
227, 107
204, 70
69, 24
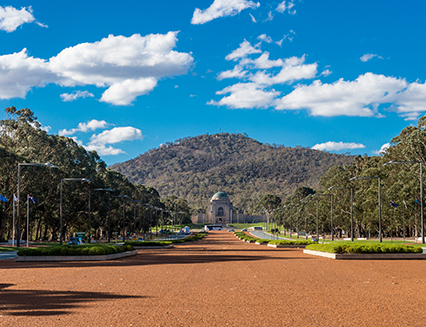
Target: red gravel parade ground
219, 281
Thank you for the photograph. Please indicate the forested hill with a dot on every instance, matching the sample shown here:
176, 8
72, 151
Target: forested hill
197, 167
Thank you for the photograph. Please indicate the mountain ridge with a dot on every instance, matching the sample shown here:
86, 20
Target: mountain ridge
197, 167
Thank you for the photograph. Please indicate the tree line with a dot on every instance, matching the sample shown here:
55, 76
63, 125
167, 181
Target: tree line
22, 140
400, 193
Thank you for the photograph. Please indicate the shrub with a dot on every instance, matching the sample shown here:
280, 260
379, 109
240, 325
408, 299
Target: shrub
98, 249
342, 247
285, 242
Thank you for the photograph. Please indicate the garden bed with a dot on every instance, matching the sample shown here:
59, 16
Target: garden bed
367, 256
103, 257
365, 251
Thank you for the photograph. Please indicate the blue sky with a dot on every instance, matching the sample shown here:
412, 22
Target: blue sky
125, 77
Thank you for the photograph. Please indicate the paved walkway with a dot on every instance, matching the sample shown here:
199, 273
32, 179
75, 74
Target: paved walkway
7, 255
267, 236
218, 281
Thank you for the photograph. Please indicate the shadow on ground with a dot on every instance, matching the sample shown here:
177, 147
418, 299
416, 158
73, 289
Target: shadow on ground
47, 303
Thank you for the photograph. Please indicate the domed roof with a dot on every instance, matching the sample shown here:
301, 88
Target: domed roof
219, 195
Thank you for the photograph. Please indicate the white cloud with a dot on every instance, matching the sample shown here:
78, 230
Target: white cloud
85, 127
237, 72
221, 8
326, 72
11, 18
293, 69
369, 56
19, 73
103, 150
125, 92
337, 146
246, 95
270, 17
253, 19
243, 51
383, 149
116, 135
356, 98
282, 7
129, 66
265, 38
67, 97
411, 102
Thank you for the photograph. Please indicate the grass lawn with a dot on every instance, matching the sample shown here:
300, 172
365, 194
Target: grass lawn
8, 248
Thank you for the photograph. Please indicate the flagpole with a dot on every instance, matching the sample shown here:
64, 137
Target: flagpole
13, 225
28, 218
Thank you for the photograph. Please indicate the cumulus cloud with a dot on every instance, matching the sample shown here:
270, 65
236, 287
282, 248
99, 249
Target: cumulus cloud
67, 97
11, 18
85, 127
292, 69
125, 92
127, 66
348, 98
337, 146
326, 72
19, 73
243, 51
222, 8
383, 149
246, 95
369, 56
237, 72
116, 135
265, 38
103, 150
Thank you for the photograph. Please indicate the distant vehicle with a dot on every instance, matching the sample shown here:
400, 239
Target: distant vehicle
231, 230
140, 239
212, 227
75, 241
244, 230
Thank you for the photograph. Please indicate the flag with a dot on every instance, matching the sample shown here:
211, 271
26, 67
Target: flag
393, 204
418, 201
15, 198
2, 198
405, 204
32, 199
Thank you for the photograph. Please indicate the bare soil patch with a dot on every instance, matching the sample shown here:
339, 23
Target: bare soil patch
219, 281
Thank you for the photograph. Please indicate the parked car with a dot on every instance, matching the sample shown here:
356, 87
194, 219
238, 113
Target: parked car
231, 230
244, 230
75, 241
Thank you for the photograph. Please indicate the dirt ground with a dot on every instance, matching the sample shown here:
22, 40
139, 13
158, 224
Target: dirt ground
219, 281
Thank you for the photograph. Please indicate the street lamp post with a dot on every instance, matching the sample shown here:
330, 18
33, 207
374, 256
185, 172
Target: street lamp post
124, 212
332, 227
101, 190
380, 207
19, 193
306, 201
352, 201
421, 192
60, 207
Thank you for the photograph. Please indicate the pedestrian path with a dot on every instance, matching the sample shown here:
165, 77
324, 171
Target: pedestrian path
267, 236
8, 255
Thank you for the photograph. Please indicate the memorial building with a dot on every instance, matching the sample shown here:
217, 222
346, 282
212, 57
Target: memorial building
221, 211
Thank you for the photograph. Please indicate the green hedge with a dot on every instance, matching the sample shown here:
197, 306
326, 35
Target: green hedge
149, 243
98, 249
346, 247
285, 242
195, 237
